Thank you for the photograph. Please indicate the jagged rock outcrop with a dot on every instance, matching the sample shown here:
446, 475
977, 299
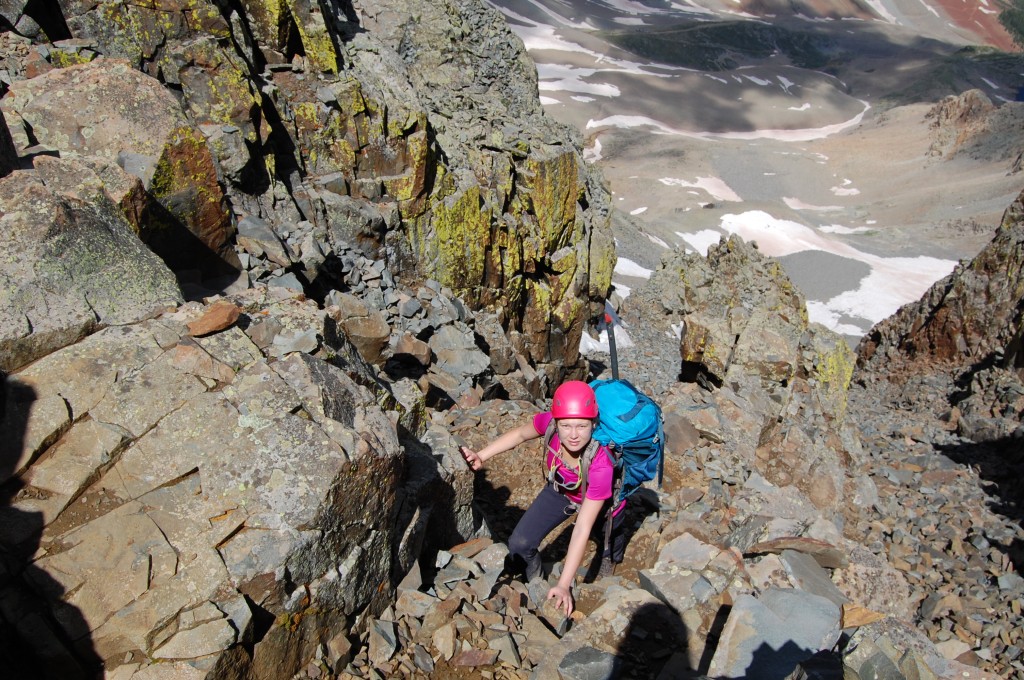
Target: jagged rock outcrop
781, 382
967, 317
968, 325
970, 125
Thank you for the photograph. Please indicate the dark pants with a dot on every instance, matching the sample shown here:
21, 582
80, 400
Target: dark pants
547, 511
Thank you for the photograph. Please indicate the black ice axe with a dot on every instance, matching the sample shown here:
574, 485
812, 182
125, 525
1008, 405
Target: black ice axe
609, 326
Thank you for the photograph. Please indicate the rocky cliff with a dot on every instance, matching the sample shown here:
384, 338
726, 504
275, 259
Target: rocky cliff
267, 264
277, 139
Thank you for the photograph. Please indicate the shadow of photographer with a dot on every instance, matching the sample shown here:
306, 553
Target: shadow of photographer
41, 636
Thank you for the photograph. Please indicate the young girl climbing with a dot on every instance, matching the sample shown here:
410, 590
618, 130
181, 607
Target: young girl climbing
574, 410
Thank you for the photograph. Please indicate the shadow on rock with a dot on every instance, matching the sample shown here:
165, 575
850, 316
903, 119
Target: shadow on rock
40, 636
496, 512
640, 506
654, 645
767, 663
1000, 464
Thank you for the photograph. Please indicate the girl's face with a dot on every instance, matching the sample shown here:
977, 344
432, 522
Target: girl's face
574, 433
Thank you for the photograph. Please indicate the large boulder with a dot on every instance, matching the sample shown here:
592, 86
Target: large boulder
71, 262
199, 504
106, 108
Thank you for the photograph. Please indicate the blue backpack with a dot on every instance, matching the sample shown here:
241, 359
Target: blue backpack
630, 425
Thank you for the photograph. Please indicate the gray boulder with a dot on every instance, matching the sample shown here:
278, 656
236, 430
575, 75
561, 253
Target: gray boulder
71, 263
106, 108
767, 636
191, 487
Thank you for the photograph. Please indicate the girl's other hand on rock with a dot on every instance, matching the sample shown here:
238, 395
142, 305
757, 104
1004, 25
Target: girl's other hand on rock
562, 598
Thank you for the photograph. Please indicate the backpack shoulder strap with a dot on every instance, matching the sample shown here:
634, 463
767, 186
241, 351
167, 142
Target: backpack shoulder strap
585, 461
549, 434
661, 449
614, 501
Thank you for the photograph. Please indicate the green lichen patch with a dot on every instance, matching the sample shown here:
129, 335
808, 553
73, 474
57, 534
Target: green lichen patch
217, 88
64, 58
554, 191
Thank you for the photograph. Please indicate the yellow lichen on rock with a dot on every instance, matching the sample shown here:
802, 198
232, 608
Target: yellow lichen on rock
832, 368
462, 236
63, 58
186, 169
554, 191
316, 39
410, 185
265, 20
218, 89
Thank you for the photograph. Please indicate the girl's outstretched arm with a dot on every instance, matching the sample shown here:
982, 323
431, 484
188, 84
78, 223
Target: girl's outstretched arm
509, 440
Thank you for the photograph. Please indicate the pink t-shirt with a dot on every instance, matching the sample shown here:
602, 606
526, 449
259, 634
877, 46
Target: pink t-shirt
599, 476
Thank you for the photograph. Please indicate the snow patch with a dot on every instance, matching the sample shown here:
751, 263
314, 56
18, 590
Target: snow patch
713, 185
839, 229
797, 204
893, 281
802, 135
845, 189
701, 240
626, 267
657, 241
589, 345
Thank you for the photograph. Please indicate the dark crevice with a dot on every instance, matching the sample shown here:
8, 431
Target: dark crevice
262, 622
30, 133
542, 271
280, 145
695, 372
50, 17
289, 38
233, 7
348, 10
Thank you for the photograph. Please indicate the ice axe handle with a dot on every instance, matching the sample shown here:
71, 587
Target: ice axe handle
609, 326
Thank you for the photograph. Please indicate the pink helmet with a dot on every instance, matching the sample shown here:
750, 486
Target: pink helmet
574, 399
